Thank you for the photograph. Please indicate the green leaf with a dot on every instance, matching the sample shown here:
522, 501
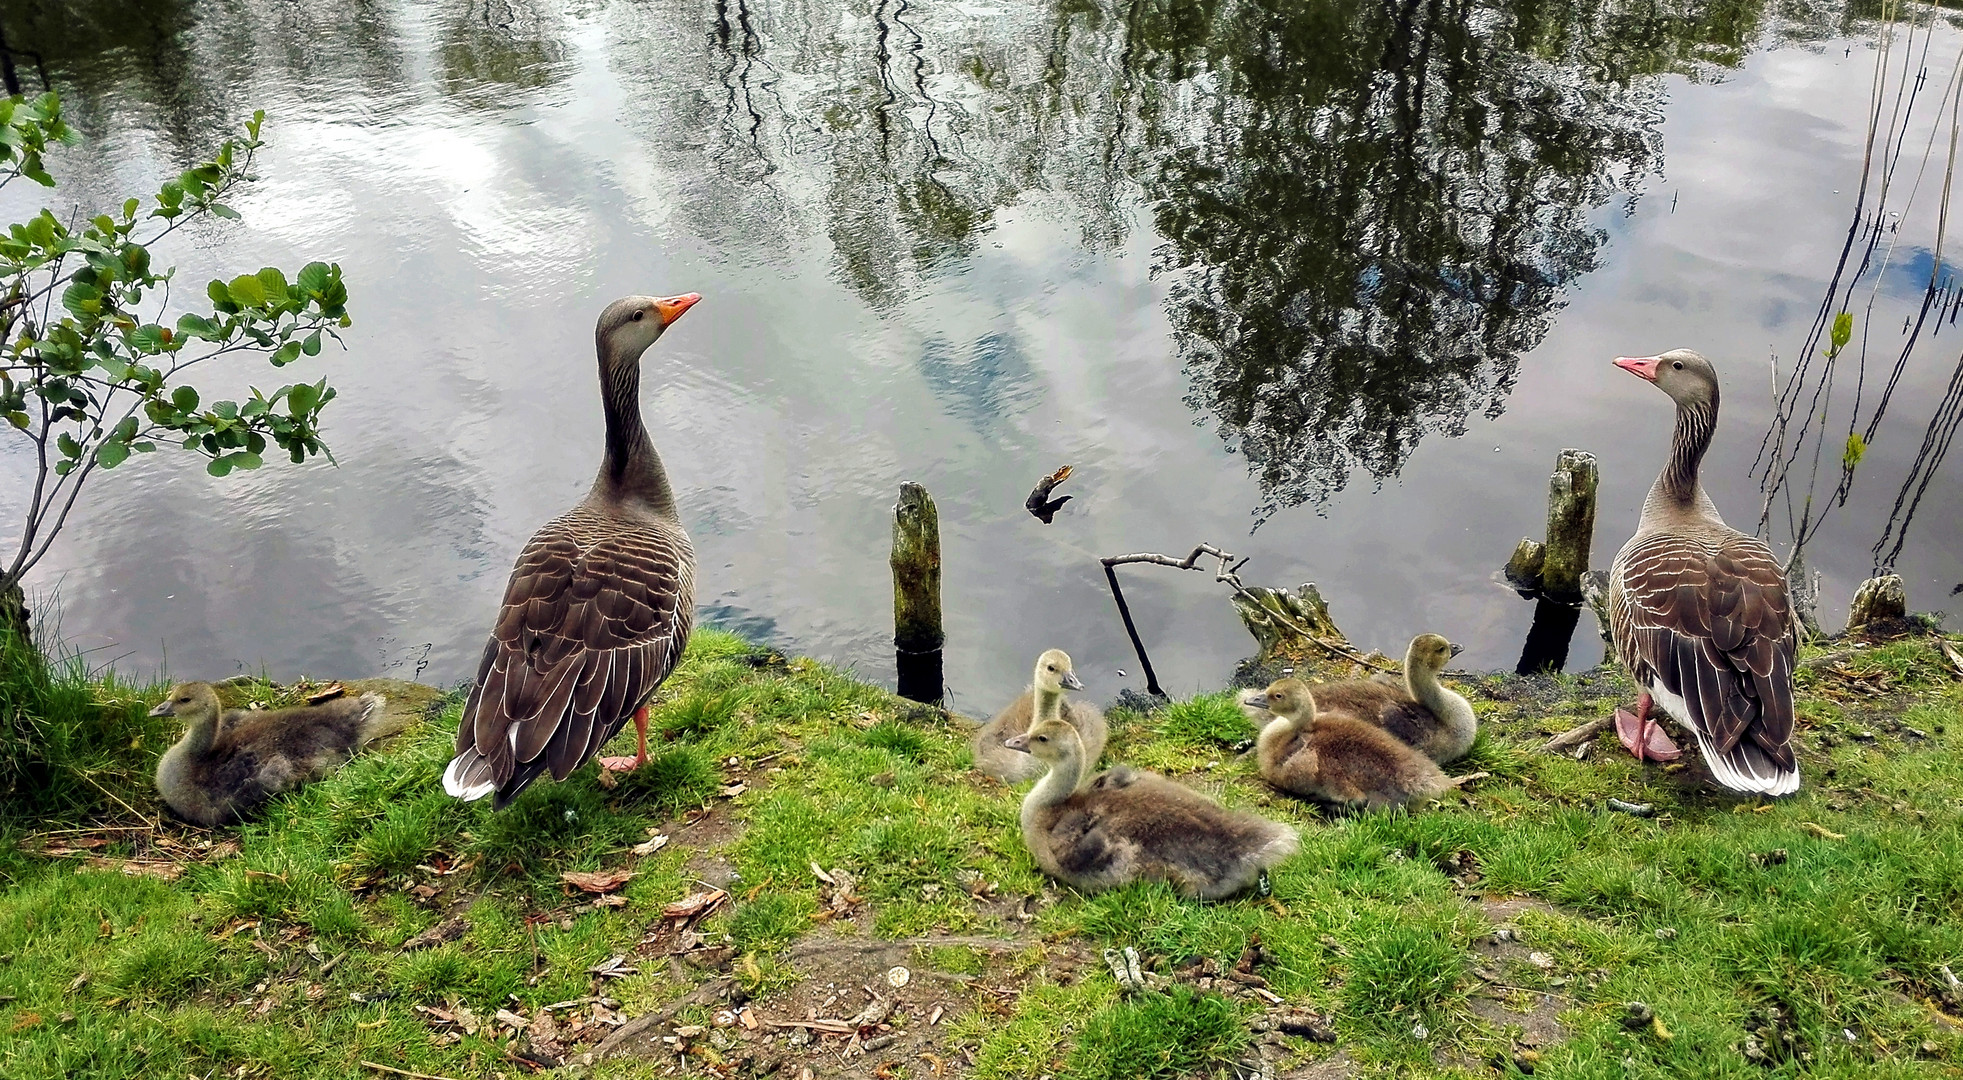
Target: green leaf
314, 277
218, 466
247, 291
274, 283
19, 420
112, 454
224, 211
82, 300
286, 354
185, 398
220, 295
69, 447
150, 338
301, 400
1843, 331
311, 344
129, 208
1856, 448
189, 325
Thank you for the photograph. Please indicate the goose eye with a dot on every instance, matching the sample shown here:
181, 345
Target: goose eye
638, 314
1678, 364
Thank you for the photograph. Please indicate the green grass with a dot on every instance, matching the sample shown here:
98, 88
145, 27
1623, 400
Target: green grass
1377, 924
1158, 1036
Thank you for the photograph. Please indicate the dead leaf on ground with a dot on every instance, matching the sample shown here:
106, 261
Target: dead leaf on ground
447, 930
326, 693
599, 881
695, 905
651, 845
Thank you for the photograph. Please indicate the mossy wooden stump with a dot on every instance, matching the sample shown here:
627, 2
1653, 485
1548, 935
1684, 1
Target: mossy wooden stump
1294, 630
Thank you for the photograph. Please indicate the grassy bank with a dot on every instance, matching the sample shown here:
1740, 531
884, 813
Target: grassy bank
830, 834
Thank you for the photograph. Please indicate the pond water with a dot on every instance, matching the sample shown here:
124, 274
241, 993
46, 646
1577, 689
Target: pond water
1349, 272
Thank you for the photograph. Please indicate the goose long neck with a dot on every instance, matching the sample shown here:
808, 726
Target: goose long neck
197, 739
1676, 487
1065, 774
1452, 708
632, 468
1049, 704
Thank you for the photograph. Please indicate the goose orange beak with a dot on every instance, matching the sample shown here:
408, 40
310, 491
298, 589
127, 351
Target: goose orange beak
671, 308
1640, 366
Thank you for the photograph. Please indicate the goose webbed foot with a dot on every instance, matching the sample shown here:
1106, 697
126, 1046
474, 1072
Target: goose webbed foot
1642, 736
640, 758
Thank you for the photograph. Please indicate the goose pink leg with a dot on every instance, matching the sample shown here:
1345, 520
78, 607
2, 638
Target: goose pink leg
640, 758
1641, 736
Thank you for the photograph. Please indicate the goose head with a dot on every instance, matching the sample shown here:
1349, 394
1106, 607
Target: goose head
1430, 652
1686, 376
191, 702
1054, 674
1051, 741
1287, 698
632, 323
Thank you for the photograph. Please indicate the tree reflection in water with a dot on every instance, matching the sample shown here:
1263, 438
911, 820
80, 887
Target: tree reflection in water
1369, 209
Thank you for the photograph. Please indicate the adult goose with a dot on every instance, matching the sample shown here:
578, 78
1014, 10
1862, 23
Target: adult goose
1700, 612
598, 608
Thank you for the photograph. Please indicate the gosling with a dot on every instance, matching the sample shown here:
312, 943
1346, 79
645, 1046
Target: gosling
1337, 759
1127, 826
229, 763
1044, 698
1423, 713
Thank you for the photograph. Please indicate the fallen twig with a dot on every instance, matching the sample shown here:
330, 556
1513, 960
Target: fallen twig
1574, 736
391, 1070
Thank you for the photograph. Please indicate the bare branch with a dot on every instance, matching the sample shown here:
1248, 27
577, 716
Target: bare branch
1227, 573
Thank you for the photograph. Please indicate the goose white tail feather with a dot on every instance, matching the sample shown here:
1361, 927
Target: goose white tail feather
455, 784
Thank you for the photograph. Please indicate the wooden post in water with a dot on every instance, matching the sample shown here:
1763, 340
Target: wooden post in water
917, 634
1552, 571
1570, 525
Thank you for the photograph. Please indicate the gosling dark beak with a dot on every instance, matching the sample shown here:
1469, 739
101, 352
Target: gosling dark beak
1457, 648
1640, 366
1071, 681
671, 308
1018, 742
162, 709
1255, 699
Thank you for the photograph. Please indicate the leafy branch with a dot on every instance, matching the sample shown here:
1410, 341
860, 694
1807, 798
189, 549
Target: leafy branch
90, 368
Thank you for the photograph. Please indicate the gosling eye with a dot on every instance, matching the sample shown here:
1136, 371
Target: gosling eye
1678, 364
638, 314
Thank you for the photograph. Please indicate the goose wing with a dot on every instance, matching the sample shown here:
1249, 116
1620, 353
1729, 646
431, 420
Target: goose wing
596, 614
1705, 624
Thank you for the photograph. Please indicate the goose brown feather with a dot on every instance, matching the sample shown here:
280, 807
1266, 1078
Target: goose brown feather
599, 605
1700, 612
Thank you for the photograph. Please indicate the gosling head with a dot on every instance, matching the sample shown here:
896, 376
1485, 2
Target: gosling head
1054, 674
1287, 698
1051, 741
1430, 652
1687, 377
632, 323
189, 702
